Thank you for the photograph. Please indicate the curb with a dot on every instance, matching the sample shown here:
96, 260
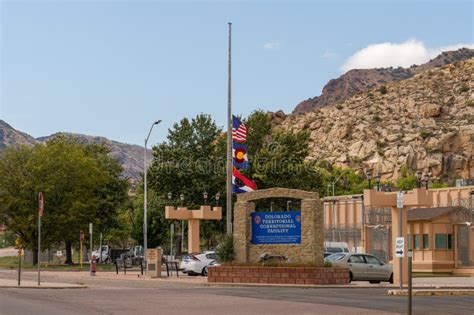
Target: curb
42, 287
435, 292
311, 286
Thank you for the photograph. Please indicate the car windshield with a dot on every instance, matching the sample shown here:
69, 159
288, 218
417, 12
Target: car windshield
335, 257
334, 249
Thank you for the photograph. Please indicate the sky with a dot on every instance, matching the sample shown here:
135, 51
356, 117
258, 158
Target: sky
111, 68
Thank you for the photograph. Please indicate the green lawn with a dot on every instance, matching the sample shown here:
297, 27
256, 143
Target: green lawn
12, 263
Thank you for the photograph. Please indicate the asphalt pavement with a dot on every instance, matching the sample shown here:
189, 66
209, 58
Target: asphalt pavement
124, 296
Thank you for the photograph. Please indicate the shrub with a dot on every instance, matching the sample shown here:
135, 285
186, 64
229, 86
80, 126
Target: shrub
225, 249
464, 88
383, 90
339, 106
327, 263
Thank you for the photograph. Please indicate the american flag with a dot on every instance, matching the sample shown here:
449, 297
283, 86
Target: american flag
239, 131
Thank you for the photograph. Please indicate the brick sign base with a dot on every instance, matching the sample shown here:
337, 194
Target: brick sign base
279, 275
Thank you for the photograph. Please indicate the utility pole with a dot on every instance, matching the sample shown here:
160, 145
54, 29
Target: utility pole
229, 139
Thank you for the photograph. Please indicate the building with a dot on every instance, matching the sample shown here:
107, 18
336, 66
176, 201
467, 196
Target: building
446, 221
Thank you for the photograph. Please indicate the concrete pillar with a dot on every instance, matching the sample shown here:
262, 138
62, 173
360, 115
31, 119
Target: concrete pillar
193, 236
153, 263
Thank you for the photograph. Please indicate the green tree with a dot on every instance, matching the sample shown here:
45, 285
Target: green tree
407, 180
80, 185
190, 162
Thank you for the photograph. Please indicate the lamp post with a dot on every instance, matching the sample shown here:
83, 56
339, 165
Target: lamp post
288, 205
378, 177
182, 225
205, 195
271, 206
170, 195
369, 178
145, 201
419, 174
427, 177
218, 196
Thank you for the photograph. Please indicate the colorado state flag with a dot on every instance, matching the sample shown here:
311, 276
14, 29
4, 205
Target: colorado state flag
240, 155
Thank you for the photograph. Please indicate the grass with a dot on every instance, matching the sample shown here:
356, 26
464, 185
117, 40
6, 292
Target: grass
12, 263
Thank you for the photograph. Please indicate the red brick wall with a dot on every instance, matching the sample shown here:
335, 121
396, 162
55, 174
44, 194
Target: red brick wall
279, 275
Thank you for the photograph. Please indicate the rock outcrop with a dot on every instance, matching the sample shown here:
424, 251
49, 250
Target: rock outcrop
425, 122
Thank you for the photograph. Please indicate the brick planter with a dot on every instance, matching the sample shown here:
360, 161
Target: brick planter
279, 275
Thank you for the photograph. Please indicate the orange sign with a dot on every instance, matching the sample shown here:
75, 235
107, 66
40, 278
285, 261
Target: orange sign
151, 254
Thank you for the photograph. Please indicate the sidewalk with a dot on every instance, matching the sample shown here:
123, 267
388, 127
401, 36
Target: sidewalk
447, 283
29, 284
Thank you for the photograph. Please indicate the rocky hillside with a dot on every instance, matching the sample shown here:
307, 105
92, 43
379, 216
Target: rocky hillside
362, 80
129, 156
425, 122
10, 136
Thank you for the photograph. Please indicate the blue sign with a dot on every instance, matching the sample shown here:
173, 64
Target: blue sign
276, 227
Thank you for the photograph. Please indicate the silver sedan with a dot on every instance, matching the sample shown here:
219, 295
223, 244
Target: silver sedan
363, 267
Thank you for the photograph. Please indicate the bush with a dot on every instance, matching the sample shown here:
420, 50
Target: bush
327, 264
383, 90
225, 249
464, 88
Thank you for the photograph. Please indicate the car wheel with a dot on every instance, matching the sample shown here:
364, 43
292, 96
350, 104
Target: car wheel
204, 272
192, 274
374, 281
391, 278
351, 277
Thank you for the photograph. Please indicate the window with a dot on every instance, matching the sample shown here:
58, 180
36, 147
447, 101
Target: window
444, 241
426, 241
372, 260
356, 259
416, 241
450, 241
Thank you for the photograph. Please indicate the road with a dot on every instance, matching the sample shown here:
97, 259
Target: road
146, 297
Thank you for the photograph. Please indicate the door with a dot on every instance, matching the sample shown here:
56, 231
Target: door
358, 267
375, 269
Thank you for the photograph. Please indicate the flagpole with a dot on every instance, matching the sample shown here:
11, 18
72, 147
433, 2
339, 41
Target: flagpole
229, 141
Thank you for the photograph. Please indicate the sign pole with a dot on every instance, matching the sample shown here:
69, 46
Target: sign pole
40, 214
410, 266
19, 266
90, 251
100, 248
81, 238
171, 239
400, 233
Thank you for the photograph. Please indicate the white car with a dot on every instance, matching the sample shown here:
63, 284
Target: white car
196, 264
363, 267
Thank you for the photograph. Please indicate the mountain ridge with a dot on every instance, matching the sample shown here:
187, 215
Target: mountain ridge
362, 80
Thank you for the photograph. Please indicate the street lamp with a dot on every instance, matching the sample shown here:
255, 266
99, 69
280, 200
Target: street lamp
218, 196
170, 195
427, 177
181, 197
288, 205
419, 174
271, 206
205, 197
377, 178
369, 178
145, 193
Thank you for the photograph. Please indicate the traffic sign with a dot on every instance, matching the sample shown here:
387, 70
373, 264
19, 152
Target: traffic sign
400, 200
400, 247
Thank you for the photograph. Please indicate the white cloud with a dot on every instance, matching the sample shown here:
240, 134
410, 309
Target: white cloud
328, 54
395, 55
272, 45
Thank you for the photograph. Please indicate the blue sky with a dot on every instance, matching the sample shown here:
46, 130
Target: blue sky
111, 68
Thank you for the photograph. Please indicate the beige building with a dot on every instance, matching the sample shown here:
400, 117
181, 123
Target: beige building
441, 235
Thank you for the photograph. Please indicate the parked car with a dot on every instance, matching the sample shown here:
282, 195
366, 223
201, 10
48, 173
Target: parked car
196, 264
336, 247
105, 254
363, 267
